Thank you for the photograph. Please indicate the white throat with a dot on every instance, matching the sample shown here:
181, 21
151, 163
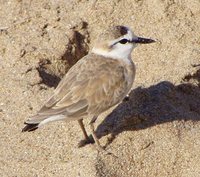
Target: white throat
121, 53
111, 54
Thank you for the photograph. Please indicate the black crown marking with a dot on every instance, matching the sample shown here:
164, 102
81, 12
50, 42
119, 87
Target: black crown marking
123, 30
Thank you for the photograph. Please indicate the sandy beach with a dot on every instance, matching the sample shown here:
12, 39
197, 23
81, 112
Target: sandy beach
156, 133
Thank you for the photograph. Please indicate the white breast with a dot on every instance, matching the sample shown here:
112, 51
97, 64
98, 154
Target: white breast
130, 75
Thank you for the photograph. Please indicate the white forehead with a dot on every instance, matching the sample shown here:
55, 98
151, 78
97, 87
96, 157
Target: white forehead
129, 34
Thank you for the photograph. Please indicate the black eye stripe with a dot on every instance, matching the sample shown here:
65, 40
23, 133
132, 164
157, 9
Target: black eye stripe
124, 41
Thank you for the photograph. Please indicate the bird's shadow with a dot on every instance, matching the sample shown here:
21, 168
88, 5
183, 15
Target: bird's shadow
157, 104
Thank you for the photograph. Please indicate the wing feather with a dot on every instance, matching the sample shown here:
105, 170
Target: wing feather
90, 87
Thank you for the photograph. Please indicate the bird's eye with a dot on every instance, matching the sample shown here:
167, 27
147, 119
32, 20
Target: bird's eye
123, 41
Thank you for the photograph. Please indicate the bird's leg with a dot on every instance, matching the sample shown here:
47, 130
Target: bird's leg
94, 135
83, 128
87, 140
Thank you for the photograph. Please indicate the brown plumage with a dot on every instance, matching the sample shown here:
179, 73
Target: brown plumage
89, 88
97, 82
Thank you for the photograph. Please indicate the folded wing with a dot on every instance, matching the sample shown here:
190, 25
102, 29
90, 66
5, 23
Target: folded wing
90, 87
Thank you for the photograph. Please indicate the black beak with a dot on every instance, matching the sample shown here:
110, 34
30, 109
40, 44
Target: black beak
141, 40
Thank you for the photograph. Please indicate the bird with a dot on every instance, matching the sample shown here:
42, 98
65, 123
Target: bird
97, 82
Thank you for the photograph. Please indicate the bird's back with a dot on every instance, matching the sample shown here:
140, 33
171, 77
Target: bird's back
91, 86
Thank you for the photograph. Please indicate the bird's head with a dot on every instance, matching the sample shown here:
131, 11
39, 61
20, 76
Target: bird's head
118, 42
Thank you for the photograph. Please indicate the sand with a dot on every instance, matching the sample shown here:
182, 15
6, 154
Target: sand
154, 133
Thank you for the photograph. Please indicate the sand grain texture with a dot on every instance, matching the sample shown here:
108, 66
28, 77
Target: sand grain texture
155, 133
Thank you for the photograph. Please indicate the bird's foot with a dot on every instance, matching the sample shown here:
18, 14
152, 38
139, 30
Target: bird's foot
86, 141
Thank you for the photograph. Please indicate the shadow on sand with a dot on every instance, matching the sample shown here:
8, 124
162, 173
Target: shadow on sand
158, 104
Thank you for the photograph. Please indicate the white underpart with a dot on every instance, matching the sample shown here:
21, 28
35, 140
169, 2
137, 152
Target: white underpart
119, 51
52, 119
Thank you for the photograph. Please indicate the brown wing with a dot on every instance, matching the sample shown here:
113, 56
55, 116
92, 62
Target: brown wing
91, 86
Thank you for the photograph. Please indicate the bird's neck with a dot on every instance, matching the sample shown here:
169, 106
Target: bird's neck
122, 57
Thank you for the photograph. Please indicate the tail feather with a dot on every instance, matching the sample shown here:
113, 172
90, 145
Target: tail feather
33, 123
30, 127
37, 121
